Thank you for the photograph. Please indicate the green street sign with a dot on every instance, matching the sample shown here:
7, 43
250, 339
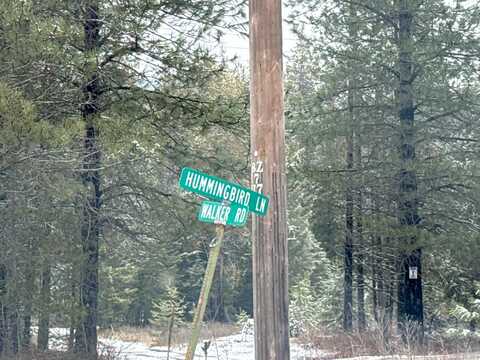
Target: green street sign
222, 190
217, 213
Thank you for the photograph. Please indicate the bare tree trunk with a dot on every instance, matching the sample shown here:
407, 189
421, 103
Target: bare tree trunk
380, 263
410, 293
13, 335
362, 321
27, 329
73, 314
374, 270
171, 322
45, 296
390, 300
27, 315
27, 300
3, 309
13, 330
11, 312
349, 188
348, 246
86, 333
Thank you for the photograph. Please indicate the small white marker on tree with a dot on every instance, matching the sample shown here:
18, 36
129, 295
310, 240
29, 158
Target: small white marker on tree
413, 272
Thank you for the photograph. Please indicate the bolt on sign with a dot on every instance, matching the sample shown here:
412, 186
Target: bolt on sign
218, 213
222, 190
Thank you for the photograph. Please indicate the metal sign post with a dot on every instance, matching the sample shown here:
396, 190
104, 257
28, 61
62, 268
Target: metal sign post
206, 286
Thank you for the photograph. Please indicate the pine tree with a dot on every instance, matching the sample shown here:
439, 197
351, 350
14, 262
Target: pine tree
403, 94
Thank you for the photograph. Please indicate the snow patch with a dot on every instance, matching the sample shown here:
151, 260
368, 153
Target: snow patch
234, 347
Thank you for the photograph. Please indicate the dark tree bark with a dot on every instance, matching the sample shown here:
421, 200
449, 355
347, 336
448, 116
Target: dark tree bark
27, 316
348, 245
9, 340
349, 189
86, 332
73, 314
362, 321
380, 266
44, 318
410, 297
27, 330
3, 309
374, 271
28, 300
13, 334
389, 300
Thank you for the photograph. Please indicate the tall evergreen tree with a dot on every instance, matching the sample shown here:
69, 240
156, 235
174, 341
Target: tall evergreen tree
410, 291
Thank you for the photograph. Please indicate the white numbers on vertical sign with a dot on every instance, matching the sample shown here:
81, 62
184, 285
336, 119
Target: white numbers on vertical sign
257, 175
413, 273
257, 166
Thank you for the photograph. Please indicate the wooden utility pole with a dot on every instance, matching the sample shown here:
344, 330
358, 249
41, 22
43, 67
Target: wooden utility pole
269, 233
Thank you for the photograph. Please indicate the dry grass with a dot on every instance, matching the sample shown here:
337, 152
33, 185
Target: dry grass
149, 336
340, 345
153, 336
104, 354
49, 355
343, 345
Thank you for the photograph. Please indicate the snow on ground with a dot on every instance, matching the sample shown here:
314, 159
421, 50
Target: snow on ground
227, 348
472, 356
234, 347
58, 338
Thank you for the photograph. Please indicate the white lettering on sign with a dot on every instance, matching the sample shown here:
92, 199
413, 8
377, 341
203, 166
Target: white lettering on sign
220, 188
189, 179
413, 272
260, 205
217, 214
211, 185
227, 192
203, 183
232, 194
205, 210
240, 215
222, 215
